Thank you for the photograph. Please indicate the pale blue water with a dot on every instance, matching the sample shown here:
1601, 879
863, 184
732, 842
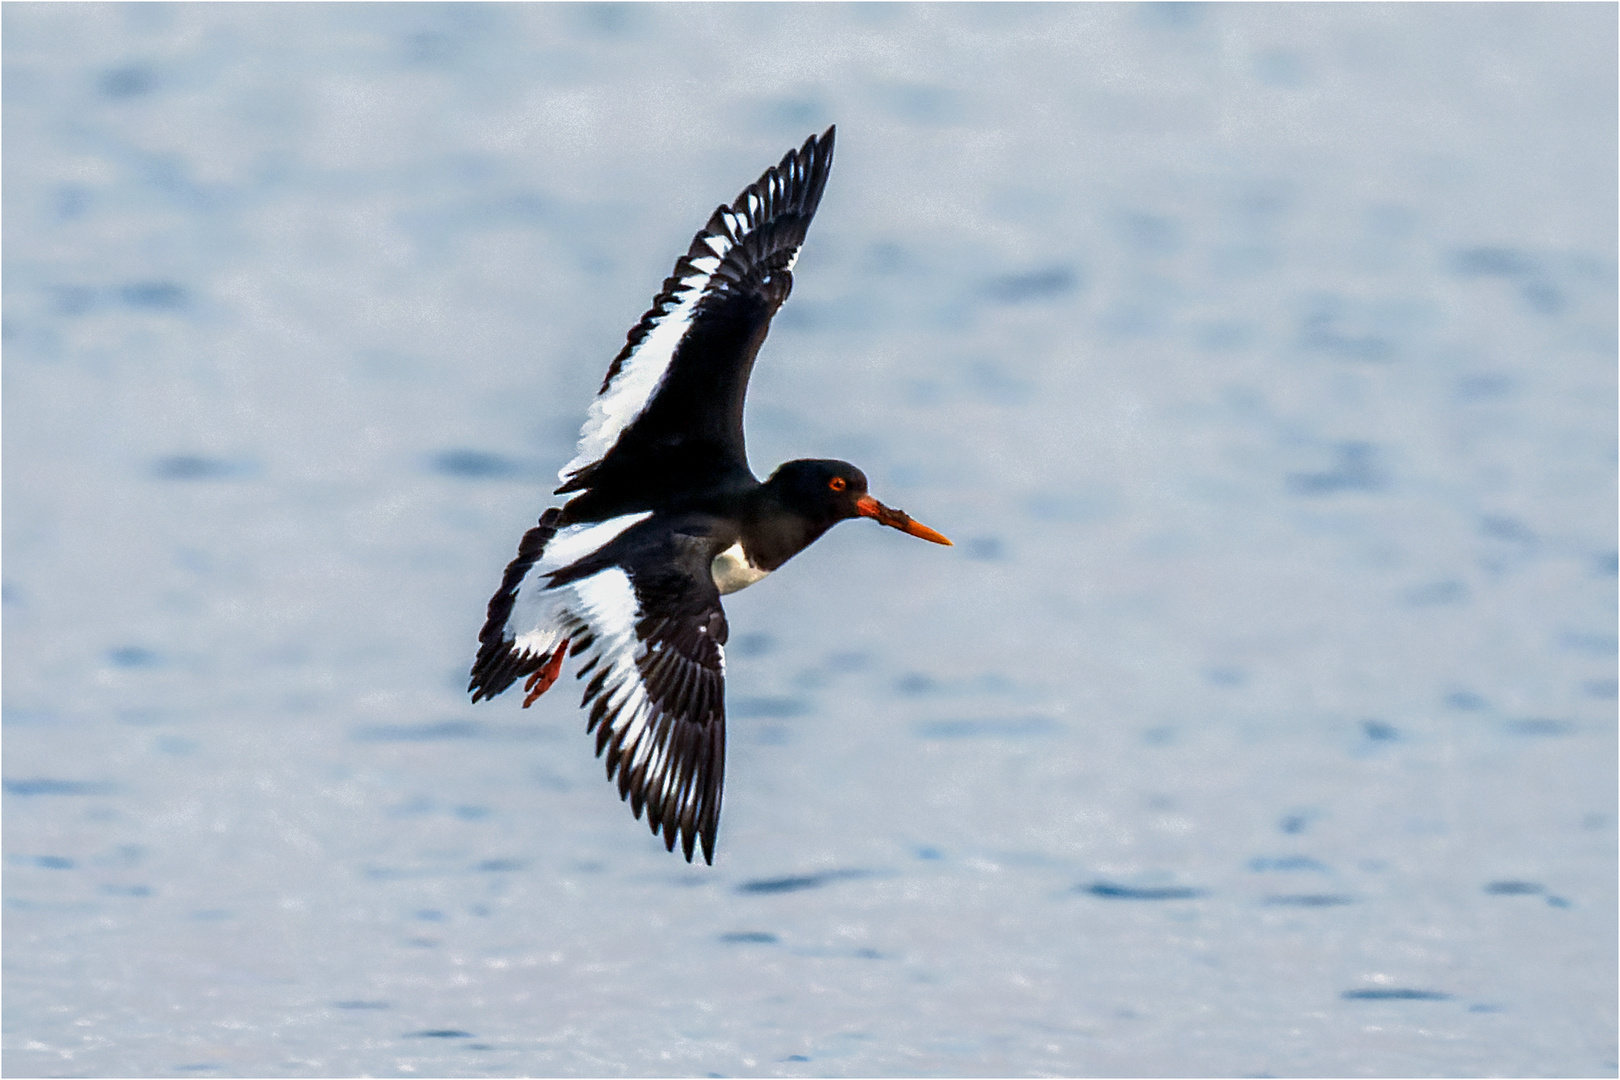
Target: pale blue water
1261, 360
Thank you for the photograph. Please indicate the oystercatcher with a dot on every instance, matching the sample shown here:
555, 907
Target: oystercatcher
665, 517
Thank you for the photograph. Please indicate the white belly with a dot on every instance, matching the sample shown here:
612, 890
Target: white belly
732, 570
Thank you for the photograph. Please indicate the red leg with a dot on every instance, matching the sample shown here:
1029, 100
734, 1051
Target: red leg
541, 680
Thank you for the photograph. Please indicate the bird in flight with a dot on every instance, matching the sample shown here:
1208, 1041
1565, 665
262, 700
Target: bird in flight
664, 517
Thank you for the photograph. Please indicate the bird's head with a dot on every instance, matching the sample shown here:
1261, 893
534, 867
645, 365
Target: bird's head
827, 492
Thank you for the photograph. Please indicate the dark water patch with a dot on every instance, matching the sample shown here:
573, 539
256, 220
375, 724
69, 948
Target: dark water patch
919, 103
71, 301
1152, 235
1542, 296
1438, 593
1171, 14
439, 1033
17, 903
361, 1005
1226, 676
1591, 642
915, 684
48, 862
1484, 1008
396, 873
754, 644
127, 82
1044, 284
471, 813
499, 866
1024, 727
125, 890
1318, 333
799, 884
1539, 727
1298, 821
132, 656
432, 48
772, 708
478, 465
430, 915
1465, 700
1514, 888
1072, 508
199, 467
1110, 891
1511, 264
1310, 900
1484, 386
794, 114
1224, 335
773, 735
929, 853
1603, 689
795, 1057
1288, 864
1378, 731
748, 937
1394, 994
1501, 527
984, 549
997, 384
1606, 564
56, 787
608, 20
153, 295
1491, 262
435, 732
1358, 469
413, 806
841, 662
1159, 736
175, 745
1557, 902
1281, 68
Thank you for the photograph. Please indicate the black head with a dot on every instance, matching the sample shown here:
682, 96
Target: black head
825, 492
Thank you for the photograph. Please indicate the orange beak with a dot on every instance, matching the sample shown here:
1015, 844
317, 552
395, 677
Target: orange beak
867, 506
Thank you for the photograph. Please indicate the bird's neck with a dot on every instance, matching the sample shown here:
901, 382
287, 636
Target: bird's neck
774, 532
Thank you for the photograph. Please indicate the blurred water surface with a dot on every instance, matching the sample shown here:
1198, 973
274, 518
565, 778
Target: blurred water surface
1261, 360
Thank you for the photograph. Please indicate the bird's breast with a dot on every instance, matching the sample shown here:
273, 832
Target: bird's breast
732, 570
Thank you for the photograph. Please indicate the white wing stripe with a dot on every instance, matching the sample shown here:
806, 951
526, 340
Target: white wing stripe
538, 616
574, 543
639, 377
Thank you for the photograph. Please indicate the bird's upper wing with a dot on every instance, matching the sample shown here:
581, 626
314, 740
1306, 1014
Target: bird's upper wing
669, 414
641, 613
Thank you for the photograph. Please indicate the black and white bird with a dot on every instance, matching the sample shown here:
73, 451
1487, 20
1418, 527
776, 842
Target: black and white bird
664, 517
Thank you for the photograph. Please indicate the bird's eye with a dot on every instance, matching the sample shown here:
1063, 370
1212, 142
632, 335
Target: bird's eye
838, 483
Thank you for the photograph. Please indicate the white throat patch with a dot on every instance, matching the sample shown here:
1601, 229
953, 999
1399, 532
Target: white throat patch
731, 570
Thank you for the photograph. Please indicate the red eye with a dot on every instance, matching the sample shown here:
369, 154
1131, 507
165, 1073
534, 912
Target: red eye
838, 483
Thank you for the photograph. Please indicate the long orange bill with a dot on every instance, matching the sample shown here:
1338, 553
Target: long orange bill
867, 506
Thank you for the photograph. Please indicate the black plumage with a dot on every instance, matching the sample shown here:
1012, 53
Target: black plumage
664, 515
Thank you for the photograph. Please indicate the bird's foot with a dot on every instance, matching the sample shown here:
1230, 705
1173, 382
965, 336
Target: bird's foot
541, 680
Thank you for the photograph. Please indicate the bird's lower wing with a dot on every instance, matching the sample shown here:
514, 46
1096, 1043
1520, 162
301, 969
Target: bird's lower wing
650, 641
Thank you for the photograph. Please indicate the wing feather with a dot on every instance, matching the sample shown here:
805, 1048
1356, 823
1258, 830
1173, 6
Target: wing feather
670, 409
